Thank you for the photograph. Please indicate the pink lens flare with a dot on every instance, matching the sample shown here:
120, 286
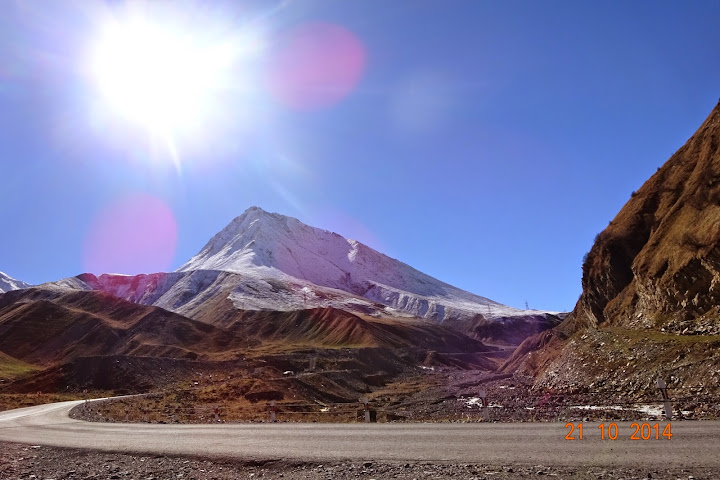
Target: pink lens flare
135, 234
316, 66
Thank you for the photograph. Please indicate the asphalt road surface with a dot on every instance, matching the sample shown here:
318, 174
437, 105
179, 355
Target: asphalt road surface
692, 444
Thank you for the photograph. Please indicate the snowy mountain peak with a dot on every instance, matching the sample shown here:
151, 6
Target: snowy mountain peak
265, 245
250, 216
257, 239
8, 283
262, 239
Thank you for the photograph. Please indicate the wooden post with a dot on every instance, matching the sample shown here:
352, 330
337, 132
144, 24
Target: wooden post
272, 411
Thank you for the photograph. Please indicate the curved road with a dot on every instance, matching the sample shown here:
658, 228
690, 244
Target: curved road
693, 443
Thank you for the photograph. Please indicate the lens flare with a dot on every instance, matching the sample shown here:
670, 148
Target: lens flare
135, 234
316, 66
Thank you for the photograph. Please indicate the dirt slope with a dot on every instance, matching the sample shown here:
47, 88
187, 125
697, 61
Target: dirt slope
59, 327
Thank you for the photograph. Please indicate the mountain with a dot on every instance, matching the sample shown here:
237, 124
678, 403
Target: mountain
55, 339
266, 261
45, 327
7, 283
650, 304
268, 245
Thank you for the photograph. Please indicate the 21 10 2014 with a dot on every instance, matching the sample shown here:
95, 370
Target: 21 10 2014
611, 431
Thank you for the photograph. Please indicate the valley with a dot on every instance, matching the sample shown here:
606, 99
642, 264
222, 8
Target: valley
273, 310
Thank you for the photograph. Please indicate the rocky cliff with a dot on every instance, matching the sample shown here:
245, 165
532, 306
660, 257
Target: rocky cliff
657, 265
650, 304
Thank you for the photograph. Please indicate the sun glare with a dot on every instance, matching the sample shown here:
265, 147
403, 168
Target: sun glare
164, 79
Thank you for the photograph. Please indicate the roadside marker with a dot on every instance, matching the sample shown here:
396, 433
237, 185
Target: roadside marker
666, 399
366, 407
272, 411
486, 412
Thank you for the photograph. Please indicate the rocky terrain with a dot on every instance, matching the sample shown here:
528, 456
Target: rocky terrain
34, 462
649, 307
657, 265
440, 395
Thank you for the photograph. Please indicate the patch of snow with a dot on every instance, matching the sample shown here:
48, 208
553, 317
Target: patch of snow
477, 401
7, 283
650, 410
598, 407
267, 246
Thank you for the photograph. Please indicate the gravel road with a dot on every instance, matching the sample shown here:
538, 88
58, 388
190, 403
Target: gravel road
526, 446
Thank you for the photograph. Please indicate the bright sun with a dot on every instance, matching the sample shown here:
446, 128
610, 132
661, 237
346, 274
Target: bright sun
164, 79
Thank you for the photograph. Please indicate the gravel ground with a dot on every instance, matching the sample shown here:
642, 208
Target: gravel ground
35, 462
448, 395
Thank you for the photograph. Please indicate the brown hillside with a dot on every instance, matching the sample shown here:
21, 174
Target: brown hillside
657, 265
57, 340
65, 326
332, 327
651, 284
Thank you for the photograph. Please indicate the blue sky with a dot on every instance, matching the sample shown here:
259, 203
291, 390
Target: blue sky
484, 143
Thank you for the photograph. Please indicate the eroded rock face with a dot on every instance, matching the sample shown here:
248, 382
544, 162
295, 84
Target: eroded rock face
657, 265
650, 305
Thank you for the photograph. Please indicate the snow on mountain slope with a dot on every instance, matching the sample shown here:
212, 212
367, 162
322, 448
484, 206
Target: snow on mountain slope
280, 251
266, 261
193, 293
8, 283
